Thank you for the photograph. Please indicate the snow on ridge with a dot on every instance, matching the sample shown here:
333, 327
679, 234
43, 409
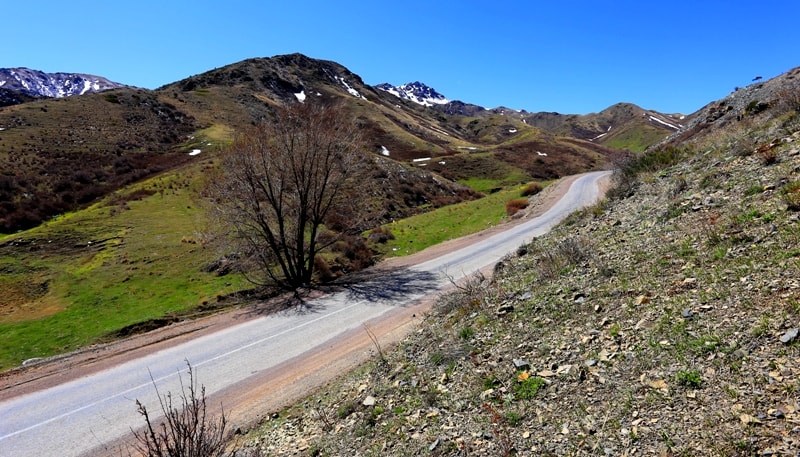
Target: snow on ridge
349, 88
87, 86
301, 96
655, 119
416, 92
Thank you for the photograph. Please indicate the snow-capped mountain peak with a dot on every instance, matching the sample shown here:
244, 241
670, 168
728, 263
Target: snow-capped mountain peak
416, 92
40, 84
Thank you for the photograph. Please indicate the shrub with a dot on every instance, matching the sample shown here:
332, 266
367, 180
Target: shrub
629, 167
755, 107
515, 205
323, 270
689, 378
527, 386
791, 196
186, 429
380, 235
531, 189
356, 254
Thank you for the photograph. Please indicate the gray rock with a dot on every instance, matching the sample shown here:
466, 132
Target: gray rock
369, 401
790, 335
522, 364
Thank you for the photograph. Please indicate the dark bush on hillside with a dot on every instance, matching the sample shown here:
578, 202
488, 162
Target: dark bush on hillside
380, 235
791, 196
516, 205
531, 189
356, 255
755, 107
323, 270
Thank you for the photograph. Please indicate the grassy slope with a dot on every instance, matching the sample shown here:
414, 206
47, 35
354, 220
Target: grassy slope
70, 289
418, 232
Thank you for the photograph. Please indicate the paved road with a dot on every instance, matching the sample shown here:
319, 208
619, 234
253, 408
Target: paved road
82, 416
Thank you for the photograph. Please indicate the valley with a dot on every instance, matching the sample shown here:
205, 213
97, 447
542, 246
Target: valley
661, 320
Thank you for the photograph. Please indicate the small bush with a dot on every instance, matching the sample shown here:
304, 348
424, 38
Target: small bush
755, 107
527, 386
186, 429
346, 410
791, 196
689, 378
323, 270
531, 189
380, 235
515, 205
755, 189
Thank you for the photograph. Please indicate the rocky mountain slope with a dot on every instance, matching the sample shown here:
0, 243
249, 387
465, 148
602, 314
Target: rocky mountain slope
662, 321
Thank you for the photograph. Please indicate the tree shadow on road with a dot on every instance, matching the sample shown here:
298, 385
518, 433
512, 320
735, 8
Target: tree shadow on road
374, 285
384, 285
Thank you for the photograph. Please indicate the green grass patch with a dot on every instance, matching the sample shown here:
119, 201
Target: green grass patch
106, 268
424, 230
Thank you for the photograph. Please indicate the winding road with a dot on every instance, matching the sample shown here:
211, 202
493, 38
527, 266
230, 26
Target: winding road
261, 363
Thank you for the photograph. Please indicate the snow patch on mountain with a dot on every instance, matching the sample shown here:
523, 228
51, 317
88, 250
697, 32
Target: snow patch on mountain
349, 88
416, 92
655, 119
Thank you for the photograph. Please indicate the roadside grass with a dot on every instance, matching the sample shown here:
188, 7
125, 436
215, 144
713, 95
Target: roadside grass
107, 268
424, 230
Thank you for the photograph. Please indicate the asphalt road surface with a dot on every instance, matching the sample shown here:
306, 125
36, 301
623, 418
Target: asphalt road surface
91, 415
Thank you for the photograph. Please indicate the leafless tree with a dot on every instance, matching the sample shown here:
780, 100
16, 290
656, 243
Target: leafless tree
284, 182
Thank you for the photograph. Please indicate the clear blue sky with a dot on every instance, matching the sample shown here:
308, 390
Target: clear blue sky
565, 56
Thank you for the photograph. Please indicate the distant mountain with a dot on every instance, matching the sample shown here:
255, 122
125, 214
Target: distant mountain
35, 83
622, 126
416, 92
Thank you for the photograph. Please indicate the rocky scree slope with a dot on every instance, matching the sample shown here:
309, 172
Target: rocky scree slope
663, 321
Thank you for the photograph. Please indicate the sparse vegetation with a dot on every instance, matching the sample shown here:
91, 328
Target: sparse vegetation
186, 429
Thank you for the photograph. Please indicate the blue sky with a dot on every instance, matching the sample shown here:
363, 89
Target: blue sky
565, 56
